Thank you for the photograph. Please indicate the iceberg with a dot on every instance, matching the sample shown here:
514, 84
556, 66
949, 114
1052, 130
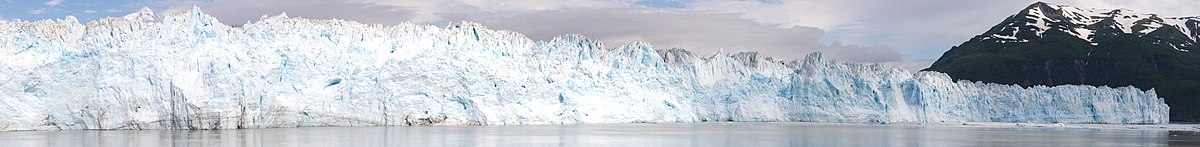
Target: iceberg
188, 71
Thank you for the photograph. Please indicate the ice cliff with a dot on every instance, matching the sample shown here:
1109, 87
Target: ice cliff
188, 71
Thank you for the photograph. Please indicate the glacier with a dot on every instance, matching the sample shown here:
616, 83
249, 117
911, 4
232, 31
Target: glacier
186, 70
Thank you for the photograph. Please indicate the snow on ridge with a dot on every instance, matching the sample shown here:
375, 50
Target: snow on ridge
1189, 25
144, 14
188, 71
1081, 22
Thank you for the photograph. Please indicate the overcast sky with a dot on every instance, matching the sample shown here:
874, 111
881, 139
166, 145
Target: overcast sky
910, 33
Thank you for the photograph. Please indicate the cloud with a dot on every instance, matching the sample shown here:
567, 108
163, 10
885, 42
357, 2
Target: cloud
112, 10
858, 53
824, 14
53, 3
912, 65
37, 11
89, 11
916, 29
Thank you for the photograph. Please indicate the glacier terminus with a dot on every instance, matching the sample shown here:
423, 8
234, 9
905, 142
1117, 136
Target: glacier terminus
188, 71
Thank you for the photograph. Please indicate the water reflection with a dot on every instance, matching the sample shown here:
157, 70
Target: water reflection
709, 134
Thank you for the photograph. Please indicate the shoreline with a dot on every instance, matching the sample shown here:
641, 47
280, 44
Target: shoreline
1003, 125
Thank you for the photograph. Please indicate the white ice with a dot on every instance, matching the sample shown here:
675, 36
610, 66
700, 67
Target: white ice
188, 71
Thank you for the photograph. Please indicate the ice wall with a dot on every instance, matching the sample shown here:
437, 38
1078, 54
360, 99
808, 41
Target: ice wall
188, 71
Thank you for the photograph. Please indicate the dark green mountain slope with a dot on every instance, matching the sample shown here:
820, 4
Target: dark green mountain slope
1055, 45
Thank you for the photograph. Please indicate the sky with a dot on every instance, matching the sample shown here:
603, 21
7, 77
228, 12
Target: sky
909, 34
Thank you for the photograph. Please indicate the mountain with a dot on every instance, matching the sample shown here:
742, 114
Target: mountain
188, 71
1047, 44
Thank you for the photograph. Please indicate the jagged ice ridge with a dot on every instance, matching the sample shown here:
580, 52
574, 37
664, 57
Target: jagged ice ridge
188, 71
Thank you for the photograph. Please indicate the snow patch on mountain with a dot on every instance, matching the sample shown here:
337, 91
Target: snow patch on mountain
1086, 23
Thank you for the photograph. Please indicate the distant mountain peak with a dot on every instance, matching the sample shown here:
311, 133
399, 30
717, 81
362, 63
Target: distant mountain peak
144, 14
1036, 19
1089, 24
1048, 44
1086, 23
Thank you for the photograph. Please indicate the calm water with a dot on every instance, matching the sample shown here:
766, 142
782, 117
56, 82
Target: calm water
707, 134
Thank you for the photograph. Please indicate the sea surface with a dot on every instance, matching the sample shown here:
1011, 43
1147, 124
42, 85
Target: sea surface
701, 134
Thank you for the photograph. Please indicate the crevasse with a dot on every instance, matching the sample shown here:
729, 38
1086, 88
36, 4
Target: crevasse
188, 71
